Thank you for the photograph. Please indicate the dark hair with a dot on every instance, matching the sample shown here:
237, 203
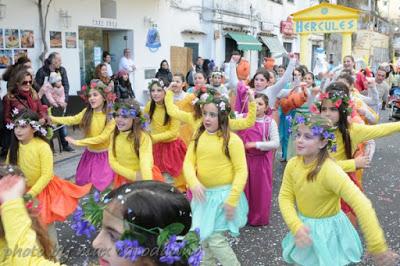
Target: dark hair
25, 114
97, 74
50, 59
41, 233
105, 54
352, 59
347, 77
236, 52
223, 125
11, 70
180, 75
282, 66
263, 97
300, 70
260, 71
19, 78
151, 204
343, 124
153, 103
162, 62
313, 78
202, 73
136, 131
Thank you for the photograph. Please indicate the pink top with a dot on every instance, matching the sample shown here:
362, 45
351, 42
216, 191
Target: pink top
55, 95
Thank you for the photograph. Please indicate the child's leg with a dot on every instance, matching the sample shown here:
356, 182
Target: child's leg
51, 230
180, 182
217, 248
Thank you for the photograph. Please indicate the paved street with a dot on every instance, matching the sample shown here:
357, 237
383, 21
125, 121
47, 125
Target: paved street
261, 245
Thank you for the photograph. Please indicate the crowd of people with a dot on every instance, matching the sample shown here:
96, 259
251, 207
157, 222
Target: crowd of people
195, 162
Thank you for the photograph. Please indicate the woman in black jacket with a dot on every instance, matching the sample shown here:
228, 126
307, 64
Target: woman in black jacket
164, 73
123, 88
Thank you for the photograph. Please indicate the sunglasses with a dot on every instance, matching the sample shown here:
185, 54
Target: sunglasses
27, 82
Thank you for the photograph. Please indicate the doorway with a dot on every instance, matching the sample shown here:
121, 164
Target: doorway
93, 41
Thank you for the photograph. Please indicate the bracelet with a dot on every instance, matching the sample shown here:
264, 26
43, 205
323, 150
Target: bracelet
27, 197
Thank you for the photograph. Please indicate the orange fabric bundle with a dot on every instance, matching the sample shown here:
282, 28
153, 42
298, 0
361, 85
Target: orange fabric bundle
293, 101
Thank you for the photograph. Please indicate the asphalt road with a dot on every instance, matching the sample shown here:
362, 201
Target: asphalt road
262, 245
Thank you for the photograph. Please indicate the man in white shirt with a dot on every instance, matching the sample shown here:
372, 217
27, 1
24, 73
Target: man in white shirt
126, 63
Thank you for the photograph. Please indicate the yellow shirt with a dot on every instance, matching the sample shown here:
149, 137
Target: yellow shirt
186, 130
212, 168
98, 137
321, 198
20, 238
358, 134
36, 162
188, 117
159, 131
125, 162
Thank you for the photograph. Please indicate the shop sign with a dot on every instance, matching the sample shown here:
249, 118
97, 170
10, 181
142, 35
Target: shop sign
105, 23
317, 26
286, 28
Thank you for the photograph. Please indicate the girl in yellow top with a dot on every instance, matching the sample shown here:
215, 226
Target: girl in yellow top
216, 170
184, 101
30, 150
336, 105
130, 152
93, 167
309, 200
23, 241
168, 149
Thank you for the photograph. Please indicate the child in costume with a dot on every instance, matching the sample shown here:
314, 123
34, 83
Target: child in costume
216, 171
216, 83
200, 80
93, 167
260, 141
184, 101
130, 152
30, 150
20, 230
337, 106
320, 233
143, 223
168, 149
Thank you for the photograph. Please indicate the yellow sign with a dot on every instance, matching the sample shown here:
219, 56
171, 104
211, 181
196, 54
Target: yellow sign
326, 17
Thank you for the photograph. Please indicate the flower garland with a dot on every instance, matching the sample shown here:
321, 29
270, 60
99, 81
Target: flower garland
337, 97
129, 111
315, 124
97, 84
173, 247
44, 131
207, 94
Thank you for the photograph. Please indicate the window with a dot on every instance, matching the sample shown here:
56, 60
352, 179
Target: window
288, 48
277, 1
108, 9
290, 1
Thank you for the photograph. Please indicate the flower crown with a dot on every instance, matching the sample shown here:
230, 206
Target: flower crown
44, 131
106, 91
217, 73
207, 94
129, 111
173, 247
156, 81
315, 124
337, 97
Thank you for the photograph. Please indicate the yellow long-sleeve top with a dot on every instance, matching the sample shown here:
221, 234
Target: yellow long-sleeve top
321, 198
36, 162
125, 162
213, 167
186, 131
188, 117
20, 245
358, 134
159, 131
98, 137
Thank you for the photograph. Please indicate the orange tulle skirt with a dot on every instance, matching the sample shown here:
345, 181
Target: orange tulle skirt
59, 199
120, 180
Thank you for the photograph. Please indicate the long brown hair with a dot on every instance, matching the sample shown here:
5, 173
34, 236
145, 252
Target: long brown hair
25, 114
323, 154
19, 78
42, 235
88, 115
223, 126
97, 74
343, 124
153, 103
136, 131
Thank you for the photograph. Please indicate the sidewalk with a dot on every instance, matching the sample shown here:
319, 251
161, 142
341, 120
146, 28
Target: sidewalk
64, 155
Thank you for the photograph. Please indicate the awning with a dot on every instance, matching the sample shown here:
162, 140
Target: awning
274, 45
245, 42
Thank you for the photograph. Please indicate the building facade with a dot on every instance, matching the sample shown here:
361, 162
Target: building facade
80, 30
